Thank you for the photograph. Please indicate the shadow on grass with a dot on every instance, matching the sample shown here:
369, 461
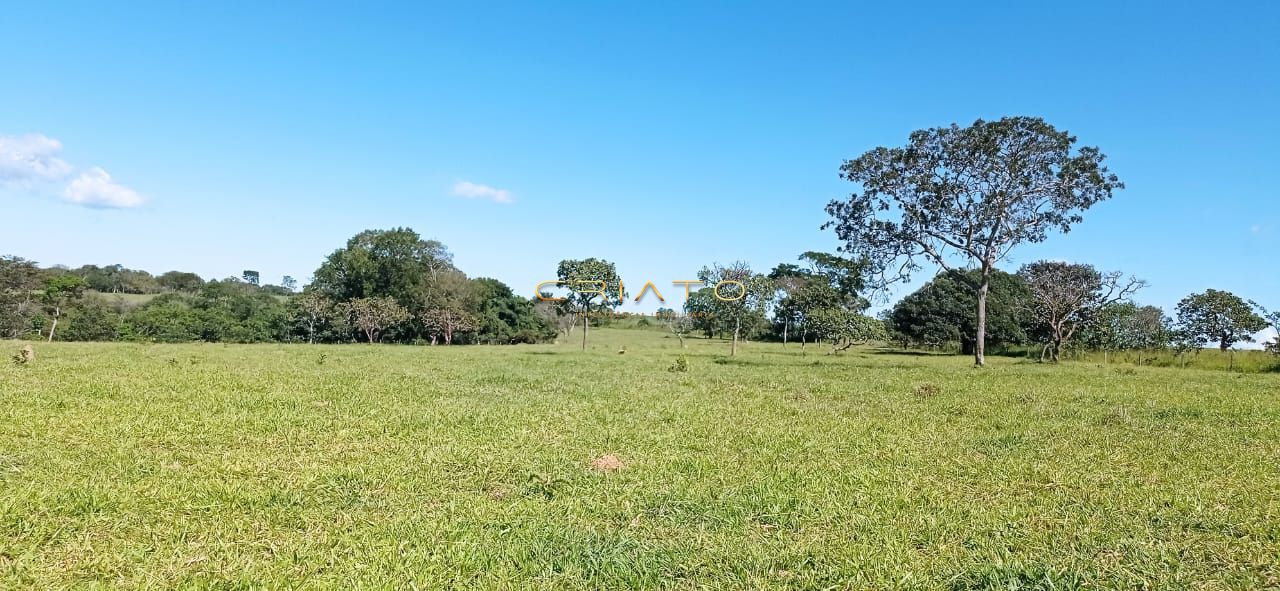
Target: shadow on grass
911, 353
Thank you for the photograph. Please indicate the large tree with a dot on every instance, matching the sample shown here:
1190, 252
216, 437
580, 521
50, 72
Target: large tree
1066, 297
594, 287
941, 311
1218, 317
956, 196
394, 263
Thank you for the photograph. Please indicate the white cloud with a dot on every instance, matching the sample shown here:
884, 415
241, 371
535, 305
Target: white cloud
94, 188
31, 157
477, 191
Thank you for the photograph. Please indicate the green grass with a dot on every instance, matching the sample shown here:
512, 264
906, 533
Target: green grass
293, 466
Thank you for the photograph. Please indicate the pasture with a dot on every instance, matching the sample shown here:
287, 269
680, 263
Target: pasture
355, 467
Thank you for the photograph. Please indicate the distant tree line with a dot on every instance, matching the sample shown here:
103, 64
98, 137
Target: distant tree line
383, 286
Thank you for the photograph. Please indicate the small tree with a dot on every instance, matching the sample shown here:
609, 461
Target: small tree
445, 322
1218, 317
289, 283
251, 277
845, 328
1126, 326
313, 310
679, 324
374, 315
738, 293
594, 286
59, 293
966, 195
1066, 297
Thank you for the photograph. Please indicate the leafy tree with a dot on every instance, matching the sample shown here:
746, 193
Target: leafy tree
59, 293
251, 277
373, 316
313, 311
845, 328
700, 308
1218, 316
739, 294
167, 318
788, 279
594, 286
117, 279
941, 311
289, 283
1126, 326
679, 324
1066, 297
234, 311
502, 317
93, 318
967, 194
394, 263
558, 314
20, 282
180, 281
844, 276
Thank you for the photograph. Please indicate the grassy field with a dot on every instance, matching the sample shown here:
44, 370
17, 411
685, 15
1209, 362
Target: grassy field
349, 467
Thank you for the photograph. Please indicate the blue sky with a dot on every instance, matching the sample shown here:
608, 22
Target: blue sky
662, 136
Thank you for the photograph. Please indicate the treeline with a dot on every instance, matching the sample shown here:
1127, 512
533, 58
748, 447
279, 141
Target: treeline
383, 286
1055, 307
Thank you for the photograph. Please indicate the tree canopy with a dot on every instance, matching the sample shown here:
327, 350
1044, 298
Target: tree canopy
956, 196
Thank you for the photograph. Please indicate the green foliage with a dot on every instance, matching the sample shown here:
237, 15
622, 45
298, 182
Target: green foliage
1218, 317
168, 318
93, 318
845, 328
1126, 326
968, 193
20, 280
373, 316
738, 298
394, 263
1068, 297
942, 311
116, 279
180, 281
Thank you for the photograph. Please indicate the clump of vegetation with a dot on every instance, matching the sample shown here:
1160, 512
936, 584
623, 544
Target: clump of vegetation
681, 365
24, 355
928, 390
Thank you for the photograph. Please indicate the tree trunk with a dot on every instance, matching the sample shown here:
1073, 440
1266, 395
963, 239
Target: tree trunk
1224, 345
980, 340
733, 349
586, 325
54, 326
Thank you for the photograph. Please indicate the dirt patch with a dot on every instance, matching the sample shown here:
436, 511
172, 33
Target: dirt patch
607, 463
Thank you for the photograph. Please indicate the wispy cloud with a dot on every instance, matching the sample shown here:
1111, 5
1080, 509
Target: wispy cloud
33, 158
472, 190
94, 188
